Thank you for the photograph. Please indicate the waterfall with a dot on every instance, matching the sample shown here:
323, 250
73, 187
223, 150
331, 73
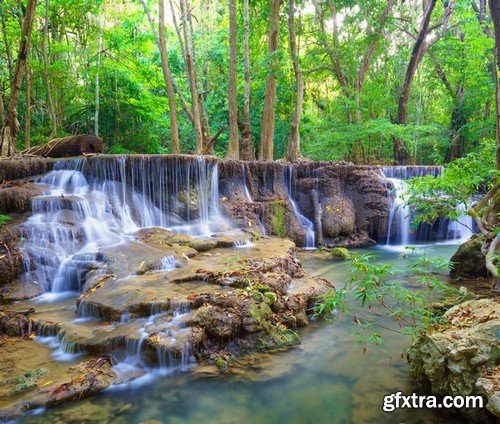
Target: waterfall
307, 224
93, 204
400, 215
245, 185
462, 228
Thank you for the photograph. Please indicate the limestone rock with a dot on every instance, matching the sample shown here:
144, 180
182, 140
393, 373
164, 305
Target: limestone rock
463, 356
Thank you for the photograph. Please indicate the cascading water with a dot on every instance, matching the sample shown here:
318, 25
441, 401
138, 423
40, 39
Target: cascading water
245, 186
307, 224
400, 216
462, 228
90, 205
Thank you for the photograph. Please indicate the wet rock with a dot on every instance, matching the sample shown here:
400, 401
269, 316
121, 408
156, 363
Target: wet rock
468, 260
16, 197
462, 356
18, 168
12, 263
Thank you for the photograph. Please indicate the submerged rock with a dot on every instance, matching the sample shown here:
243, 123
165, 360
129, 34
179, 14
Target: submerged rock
462, 356
30, 379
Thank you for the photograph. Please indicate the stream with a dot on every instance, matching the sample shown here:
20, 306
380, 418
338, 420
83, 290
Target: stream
328, 379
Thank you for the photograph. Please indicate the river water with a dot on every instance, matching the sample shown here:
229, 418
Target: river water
330, 378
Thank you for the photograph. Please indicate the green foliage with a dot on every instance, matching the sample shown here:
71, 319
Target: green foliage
451, 97
4, 219
404, 296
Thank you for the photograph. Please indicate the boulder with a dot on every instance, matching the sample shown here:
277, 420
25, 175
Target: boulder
462, 356
468, 261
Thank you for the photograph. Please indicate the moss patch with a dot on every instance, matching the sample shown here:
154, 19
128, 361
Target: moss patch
278, 218
27, 380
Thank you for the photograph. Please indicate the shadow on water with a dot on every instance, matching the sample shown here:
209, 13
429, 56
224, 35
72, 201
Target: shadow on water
329, 379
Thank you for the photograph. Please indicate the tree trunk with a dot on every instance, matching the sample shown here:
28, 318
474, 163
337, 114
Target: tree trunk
8, 52
495, 17
293, 150
27, 117
401, 154
167, 76
73, 145
11, 124
246, 151
191, 73
46, 77
268, 118
233, 148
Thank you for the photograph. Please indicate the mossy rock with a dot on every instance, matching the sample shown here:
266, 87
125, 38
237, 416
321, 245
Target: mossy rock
222, 364
278, 338
261, 313
258, 296
340, 253
263, 288
469, 261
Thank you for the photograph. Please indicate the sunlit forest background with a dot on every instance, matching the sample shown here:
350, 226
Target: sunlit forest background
95, 67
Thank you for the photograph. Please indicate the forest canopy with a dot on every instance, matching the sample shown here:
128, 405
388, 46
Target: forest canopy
375, 81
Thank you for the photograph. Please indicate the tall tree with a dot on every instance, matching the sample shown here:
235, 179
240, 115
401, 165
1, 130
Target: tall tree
293, 150
246, 149
190, 63
233, 148
27, 115
10, 127
169, 83
422, 43
168, 77
495, 17
46, 76
269, 113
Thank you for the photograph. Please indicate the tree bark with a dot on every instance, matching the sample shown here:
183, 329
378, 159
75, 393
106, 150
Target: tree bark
401, 154
167, 76
293, 150
233, 148
46, 77
495, 17
246, 149
268, 118
11, 125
